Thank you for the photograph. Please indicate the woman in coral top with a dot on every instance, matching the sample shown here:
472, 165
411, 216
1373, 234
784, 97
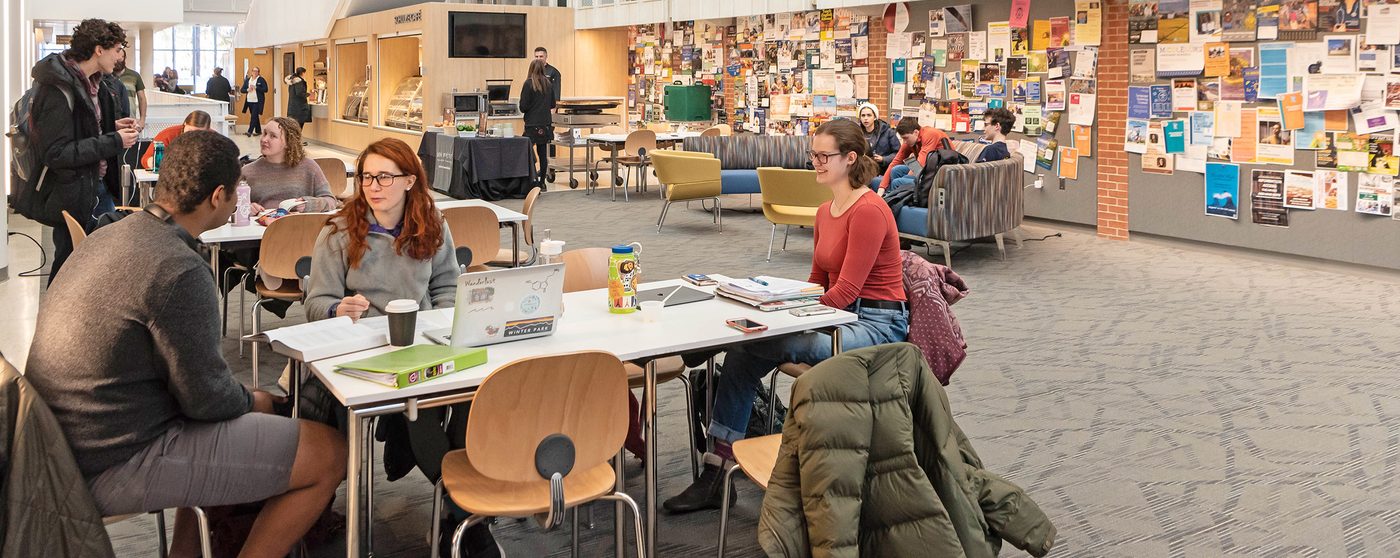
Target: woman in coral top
856, 259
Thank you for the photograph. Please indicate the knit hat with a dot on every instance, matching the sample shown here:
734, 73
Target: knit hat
868, 106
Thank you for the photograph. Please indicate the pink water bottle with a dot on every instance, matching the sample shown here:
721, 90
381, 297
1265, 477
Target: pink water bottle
244, 193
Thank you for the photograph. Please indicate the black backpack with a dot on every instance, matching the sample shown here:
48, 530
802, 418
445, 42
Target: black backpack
27, 170
934, 161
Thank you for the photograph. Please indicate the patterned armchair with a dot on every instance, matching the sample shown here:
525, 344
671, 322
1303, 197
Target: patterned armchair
968, 202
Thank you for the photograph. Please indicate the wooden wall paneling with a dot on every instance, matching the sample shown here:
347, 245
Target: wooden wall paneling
243, 60
398, 59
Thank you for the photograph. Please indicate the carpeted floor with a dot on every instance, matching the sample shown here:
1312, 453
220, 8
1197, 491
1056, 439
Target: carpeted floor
1155, 400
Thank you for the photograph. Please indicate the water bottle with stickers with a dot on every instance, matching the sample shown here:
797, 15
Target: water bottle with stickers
622, 278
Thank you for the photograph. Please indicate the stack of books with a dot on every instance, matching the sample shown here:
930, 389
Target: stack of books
770, 293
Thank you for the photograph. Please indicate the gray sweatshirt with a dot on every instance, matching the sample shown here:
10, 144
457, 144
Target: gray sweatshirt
127, 342
383, 274
270, 184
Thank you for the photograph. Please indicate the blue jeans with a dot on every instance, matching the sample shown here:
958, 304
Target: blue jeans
899, 176
105, 204
745, 366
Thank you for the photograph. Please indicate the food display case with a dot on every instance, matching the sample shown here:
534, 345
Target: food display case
353, 81
357, 102
405, 109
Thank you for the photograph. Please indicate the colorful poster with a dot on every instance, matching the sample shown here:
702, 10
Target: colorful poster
1339, 16
1069, 163
1205, 21
1040, 35
1037, 62
1031, 115
1268, 20
936, 26
1175, 133
1020, 12
1245, 148
1140, 102
1290, 105
1239, 21
1045, 152
1183, 94
1313, 136
1161, 101
1381, 152
1142, 66
1174, 21
1180, 60
1055, 94
1202, 128
1135, 137
1088, 17
1266, 198
1297, 19
1222, 190
1033, 90
1207, 93
958, 19
1083, 140
1142, 21
1273, 69
1059, 33
1375, 194
1331, 189
1353, 152
1233, 85
1217, 63
998, 41
1299, 190
1275, 142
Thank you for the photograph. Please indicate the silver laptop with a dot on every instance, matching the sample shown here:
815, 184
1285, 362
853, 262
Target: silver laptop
504, 305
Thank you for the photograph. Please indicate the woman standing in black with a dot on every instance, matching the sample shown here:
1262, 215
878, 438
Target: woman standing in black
537, 103
297, 95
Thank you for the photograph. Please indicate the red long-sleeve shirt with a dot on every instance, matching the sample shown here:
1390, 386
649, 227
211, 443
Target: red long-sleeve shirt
165, 137
857, 254
930, 139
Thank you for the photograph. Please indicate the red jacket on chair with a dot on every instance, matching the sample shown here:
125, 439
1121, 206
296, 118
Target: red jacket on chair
932, 289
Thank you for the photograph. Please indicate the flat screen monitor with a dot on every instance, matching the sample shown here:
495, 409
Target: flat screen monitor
486, 35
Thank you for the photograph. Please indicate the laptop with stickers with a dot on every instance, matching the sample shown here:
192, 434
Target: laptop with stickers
504, 305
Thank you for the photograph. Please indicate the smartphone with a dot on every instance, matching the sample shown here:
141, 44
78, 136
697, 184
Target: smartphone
699, 279
745, 325
816, 310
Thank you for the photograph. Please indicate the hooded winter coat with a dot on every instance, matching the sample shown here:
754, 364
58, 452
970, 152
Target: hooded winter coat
872, 465
883, 142
72, 142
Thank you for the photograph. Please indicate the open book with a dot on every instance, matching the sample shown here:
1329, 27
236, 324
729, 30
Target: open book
323, 339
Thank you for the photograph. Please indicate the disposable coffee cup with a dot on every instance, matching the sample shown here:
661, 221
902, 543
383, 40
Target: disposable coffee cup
403, 318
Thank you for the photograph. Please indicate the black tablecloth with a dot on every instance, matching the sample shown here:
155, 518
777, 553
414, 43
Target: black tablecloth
481, 168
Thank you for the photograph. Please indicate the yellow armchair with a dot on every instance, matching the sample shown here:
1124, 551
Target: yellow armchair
687, 176
790, 197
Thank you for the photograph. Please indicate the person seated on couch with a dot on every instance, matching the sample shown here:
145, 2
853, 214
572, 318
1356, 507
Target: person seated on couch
878, 135
920, 140
998, 123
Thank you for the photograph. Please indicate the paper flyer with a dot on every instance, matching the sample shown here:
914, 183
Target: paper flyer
1233, 84
1392, 93
1227, 119
1275, 143
977, 45
1040, 34
969, 78
1140, 101
957, 47
1217, 62
1266, 198
998, 41
1086, 62
1088, 17
1059, 33
1238, 21
1331, 189
1353, 152
1183, 94
1205, 21
1058, 59
1175, 134
1290, 106
936, 27
1055, 95
1202, 127
1220, 149
1142, 21
1341, 54
1331, 92
1033, 93
1267, 20
1083, 139
1339, 15
1335, 120
1173, 21
1155, 140
1312, 136
1372, 59
1157, 162
1135, 137
1207, 93
1193, 160
1020, 12
1383, 23
1069, 163
1381, 151
1081, 108
1244, 149
1142, 66
1372, 117
1299, 190
1037, 63
1222, 190
1033, 120
938, 50
1161, 101
1273, 69
1297, 19
1027, 149
1045, 152
958, 19
1180, 60
1304, 59
1375, 194
1020, 41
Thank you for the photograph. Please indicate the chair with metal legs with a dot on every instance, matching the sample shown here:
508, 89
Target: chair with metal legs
287, 240
206, 546
792, 370
687, 176
790, 197
539, 441
756, 457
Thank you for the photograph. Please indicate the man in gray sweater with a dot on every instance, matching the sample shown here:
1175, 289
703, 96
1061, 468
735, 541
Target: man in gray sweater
133, 371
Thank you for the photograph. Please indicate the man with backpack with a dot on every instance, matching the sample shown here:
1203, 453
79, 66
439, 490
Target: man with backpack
74, 136
915, 139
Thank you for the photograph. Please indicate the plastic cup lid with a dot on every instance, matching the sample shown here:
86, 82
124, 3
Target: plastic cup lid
552, 247
401, 305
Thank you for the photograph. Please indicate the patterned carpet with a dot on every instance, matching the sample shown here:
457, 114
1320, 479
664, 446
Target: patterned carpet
1155, 400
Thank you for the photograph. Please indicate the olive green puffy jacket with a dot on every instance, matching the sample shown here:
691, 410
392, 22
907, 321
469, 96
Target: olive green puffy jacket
872, 464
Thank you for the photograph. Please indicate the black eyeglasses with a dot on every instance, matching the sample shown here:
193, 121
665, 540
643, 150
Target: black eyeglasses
821, 158
384, 178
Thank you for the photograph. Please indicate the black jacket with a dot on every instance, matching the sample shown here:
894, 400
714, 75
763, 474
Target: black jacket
536, 105
297, 107
218, 88
71, 142
556, 79
884, 142
260, 85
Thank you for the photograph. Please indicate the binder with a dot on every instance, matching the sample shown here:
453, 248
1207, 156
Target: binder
413, 365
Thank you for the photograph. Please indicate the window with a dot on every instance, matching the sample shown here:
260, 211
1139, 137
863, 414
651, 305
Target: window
193, 51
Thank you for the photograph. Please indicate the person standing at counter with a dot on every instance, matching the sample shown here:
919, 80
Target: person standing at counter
297, 107
555, 79
254, 88
537, 103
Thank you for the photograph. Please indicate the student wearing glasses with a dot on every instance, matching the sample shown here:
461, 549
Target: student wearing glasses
856, 259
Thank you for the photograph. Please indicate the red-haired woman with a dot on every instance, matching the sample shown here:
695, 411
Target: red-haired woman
388, 242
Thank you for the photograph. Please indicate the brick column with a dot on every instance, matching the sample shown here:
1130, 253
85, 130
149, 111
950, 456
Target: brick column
1112, 121
879, 68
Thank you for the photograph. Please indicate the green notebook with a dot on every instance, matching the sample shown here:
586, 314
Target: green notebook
413, 365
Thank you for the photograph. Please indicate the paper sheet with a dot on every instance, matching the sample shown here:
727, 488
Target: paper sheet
1180, 60
1088, 17
998, 41
1222, 190
1081, 108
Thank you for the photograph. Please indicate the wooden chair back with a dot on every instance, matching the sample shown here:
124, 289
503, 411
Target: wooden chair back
581, 395
659, 127
287, 240
334, 169
712, 132
476, 228
75, 230
529, 211
725, 129
639, 140
586, 269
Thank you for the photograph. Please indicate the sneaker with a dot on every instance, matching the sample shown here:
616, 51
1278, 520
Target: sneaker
703, 494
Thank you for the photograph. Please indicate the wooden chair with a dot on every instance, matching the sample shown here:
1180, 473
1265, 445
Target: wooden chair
527, 254
342, 186
286, 241
756, 457
712, 132
790, 197
725, 129
75, 230
476, 228
8, 371
636, 156
539, 438
586, 269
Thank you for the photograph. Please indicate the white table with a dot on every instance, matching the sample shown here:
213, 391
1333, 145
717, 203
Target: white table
585, 325
145, 184
616, 141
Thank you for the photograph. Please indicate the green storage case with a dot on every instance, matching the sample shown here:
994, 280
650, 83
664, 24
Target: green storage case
687, 103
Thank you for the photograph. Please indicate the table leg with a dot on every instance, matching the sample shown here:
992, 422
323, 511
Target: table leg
515, 244
649, 434
709, 401
588, 164
612, 181
295, 388
354, 429
835, 341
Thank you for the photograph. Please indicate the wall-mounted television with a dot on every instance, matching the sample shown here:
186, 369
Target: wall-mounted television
486, 35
